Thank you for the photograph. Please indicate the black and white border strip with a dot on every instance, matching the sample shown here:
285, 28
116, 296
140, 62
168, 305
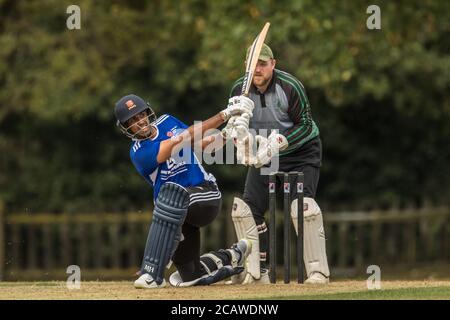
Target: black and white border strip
204, 196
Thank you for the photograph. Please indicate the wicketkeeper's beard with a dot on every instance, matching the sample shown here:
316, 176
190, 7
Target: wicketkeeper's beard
260, 81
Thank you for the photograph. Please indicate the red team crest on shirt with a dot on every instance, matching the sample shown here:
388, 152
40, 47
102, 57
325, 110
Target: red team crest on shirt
173, 132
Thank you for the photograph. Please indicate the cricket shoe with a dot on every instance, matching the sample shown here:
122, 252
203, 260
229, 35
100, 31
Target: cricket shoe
146, 281
176, 281
317, 278
239, 253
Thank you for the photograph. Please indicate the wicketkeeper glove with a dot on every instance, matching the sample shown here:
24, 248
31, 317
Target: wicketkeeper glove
269, 147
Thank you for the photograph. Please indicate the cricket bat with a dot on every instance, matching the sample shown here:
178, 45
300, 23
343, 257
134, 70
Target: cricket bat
253, 59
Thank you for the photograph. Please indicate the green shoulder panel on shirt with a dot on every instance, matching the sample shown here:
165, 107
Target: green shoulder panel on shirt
314, 133
305, 120
295, 83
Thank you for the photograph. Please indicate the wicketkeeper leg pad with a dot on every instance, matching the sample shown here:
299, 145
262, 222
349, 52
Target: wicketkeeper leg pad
315, 256
165, 231
245, 227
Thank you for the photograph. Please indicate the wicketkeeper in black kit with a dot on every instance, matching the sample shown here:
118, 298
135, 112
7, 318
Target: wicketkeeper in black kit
281, 104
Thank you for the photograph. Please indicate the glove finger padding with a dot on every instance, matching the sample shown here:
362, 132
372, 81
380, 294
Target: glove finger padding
263, 155
261, 142
278, 142
226, 132
239, 105
242, 120
244, 151
239, 133
269, 147
240, 127
233, 100
247, 103
236, 110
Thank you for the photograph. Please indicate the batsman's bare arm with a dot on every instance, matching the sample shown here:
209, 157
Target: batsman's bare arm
215, 141
167, 147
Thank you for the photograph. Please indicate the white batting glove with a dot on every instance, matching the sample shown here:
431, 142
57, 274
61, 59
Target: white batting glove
269, 147
240, 127
238, 105
226, 132
248, 104
246, 101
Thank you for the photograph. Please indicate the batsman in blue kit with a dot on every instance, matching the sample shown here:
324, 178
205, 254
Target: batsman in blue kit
185, 196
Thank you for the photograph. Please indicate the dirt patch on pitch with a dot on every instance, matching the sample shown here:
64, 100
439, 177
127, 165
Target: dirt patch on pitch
125, 290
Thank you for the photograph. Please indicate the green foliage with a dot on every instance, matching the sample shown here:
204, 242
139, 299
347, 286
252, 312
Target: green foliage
380, 97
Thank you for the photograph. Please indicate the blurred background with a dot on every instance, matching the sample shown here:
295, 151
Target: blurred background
69, 194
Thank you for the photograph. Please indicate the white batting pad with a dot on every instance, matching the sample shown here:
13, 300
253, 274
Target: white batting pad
315, 255
245, 227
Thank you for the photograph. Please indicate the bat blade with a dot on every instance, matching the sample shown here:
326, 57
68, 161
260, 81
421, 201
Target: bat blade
252, 59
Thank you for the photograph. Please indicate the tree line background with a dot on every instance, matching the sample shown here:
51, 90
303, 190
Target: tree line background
379, 97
